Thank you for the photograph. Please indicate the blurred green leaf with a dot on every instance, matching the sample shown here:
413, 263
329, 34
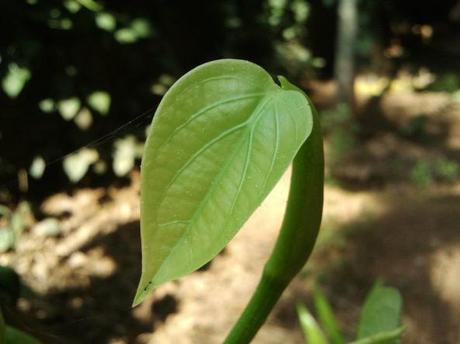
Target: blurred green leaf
4, 211
60, 24
15, 336
106, 21
456, 96
68, 108
422, 174
166, 79
141, 27
301, 10
127, 150
84, 119
47, 105
7, 239
77, 164
15, 80
24, 211
381, 312
327, 318
318, 62
100, 101
72, 6
446, 169
162, 85
277, 8
312, 332
17, 224
100, 167
126, 36
71, 70
37, 168
158, 89
90, 5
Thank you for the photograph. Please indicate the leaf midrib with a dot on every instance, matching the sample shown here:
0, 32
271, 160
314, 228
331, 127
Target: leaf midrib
250, 124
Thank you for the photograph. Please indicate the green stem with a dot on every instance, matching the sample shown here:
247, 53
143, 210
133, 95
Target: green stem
297, 236
256, 312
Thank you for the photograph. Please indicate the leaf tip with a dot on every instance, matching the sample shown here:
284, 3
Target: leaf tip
283, 81
142, 291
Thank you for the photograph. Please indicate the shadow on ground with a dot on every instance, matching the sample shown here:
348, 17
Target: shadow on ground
405, 247
102, 311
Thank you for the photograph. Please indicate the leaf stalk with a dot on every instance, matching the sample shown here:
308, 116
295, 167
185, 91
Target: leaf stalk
297, 236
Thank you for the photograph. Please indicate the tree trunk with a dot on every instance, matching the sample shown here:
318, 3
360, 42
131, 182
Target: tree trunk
344, 60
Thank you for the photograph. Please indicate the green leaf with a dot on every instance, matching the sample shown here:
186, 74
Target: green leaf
77, 164
72, 6
327, 318
381, 312
15, 336
7, 239
141, 27
90, 5
106, 21
312, 332
69, 107
15, 80
126, 36
10, 335
221, 138
47, 105
37, 168
127, 150
100, 101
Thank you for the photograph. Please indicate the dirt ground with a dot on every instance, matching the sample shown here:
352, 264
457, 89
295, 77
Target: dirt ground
79, 285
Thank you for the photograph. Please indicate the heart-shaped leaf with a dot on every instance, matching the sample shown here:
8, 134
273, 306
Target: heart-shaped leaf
221, 138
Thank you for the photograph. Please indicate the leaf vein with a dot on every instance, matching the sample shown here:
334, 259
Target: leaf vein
275, 150
218, 177
245, 170
205, 110
201, 151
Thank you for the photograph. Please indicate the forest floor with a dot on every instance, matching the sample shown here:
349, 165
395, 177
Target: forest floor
385, 218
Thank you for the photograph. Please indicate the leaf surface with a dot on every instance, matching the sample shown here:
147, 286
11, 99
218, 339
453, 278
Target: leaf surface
327, 317
221, 138
15, 336
311, 330
381, 313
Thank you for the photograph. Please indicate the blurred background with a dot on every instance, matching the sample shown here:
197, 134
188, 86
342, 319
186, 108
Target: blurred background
79, 82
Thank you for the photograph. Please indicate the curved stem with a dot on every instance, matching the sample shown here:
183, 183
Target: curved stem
256, 312
297, 236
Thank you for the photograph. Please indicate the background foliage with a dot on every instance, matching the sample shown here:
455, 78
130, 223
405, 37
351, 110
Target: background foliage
72, 71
